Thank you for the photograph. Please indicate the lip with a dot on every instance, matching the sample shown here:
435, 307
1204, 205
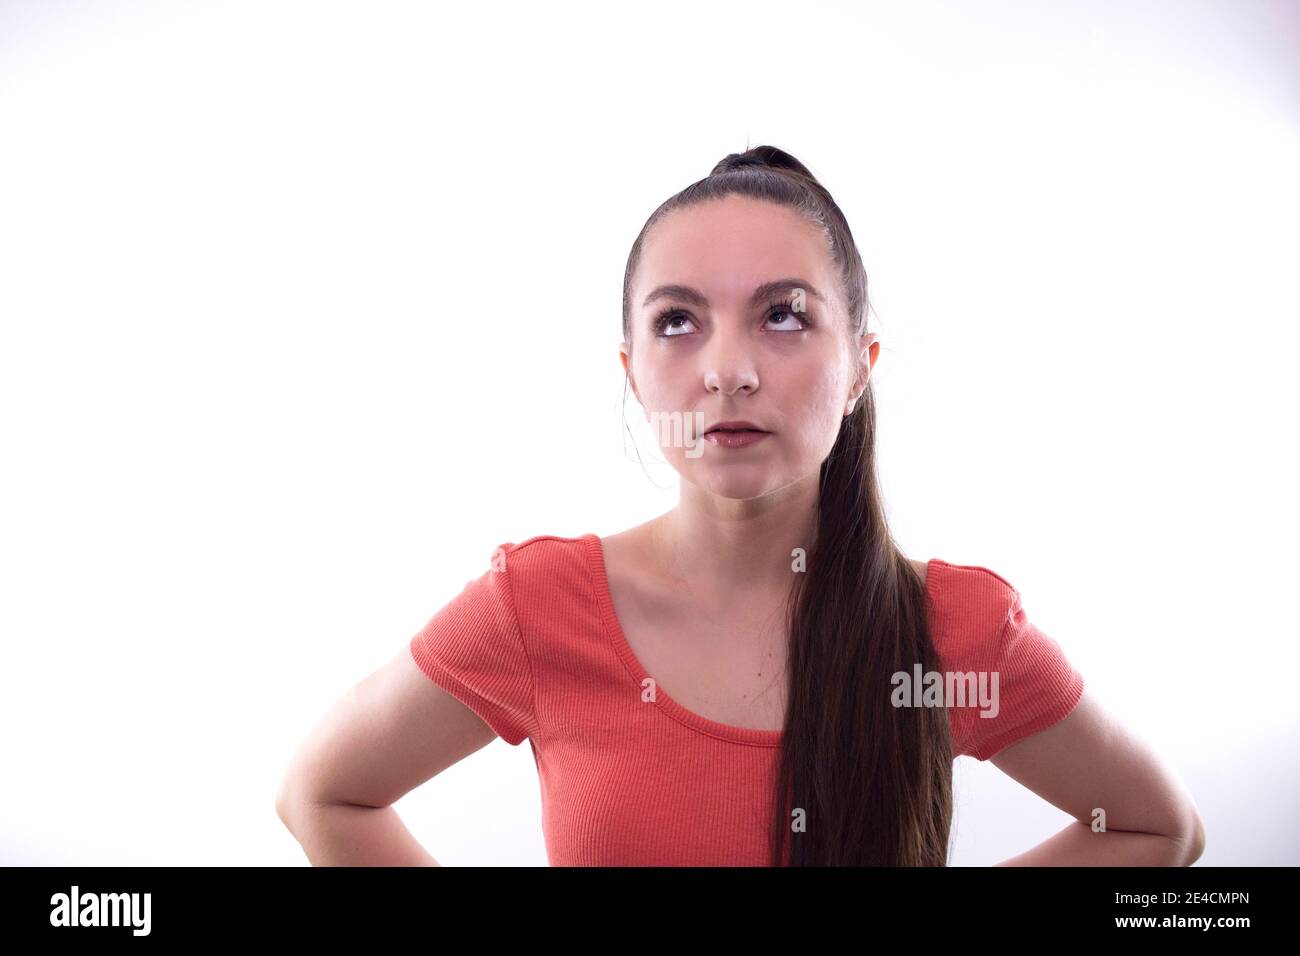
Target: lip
734, 439
736, 426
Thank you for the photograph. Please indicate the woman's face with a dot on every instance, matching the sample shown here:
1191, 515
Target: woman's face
727, 349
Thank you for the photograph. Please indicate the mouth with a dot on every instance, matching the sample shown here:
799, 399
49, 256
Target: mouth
736, 428
735, 435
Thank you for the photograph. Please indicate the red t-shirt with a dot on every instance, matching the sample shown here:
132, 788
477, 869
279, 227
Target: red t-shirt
628, 778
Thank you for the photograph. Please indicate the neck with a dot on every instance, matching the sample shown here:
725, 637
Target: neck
734, 550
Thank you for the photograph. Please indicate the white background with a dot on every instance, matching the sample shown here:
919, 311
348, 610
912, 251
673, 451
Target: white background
307, 307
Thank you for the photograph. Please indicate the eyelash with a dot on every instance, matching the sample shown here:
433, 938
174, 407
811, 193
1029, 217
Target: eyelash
784, 305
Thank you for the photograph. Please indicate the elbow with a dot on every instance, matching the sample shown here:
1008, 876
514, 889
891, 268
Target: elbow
1193, 843
1188, 841
295, 791
285, 798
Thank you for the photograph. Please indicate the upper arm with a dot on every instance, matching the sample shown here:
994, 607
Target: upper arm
1090, 761
392, 732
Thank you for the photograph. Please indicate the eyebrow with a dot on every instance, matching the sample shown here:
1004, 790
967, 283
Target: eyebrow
766, 291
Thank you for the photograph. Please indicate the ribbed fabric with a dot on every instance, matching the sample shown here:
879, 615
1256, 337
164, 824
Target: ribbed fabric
535, 648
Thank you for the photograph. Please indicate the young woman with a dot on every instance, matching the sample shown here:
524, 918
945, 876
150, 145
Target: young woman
758, 676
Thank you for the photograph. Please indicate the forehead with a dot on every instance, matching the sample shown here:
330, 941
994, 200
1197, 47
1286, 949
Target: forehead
726, 247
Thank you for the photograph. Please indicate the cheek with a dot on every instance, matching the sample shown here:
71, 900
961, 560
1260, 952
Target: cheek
668, 390
653, 379
658, 394
673, 423
820, 402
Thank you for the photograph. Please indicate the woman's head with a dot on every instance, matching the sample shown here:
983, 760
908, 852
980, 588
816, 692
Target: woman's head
745, 299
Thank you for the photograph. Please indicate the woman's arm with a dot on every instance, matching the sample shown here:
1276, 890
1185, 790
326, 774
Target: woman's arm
349, 835
392, 732
1088, 763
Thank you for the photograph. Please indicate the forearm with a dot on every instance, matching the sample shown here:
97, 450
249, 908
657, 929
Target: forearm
349, 835
1078, 845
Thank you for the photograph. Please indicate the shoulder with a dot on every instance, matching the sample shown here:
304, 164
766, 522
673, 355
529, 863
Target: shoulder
541, 549
968, 583
970, 609
545, 571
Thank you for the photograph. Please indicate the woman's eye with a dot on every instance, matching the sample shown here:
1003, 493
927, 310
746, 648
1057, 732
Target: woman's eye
665, 326
783, 313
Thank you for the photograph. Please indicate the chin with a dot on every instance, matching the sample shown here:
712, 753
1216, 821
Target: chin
737, 486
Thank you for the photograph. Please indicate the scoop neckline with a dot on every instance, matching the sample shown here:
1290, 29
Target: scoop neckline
755, 736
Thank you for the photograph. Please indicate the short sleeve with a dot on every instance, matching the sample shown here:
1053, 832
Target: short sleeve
473, 649
1037, 686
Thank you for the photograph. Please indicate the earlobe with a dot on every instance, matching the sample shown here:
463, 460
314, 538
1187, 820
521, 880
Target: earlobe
853, 400
864, 378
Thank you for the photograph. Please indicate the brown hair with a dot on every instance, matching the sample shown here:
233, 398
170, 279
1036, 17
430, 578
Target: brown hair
874, 781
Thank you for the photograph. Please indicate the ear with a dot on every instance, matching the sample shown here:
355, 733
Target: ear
627, 371
868, 352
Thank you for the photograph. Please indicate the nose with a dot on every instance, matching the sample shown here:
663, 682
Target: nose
727, 364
